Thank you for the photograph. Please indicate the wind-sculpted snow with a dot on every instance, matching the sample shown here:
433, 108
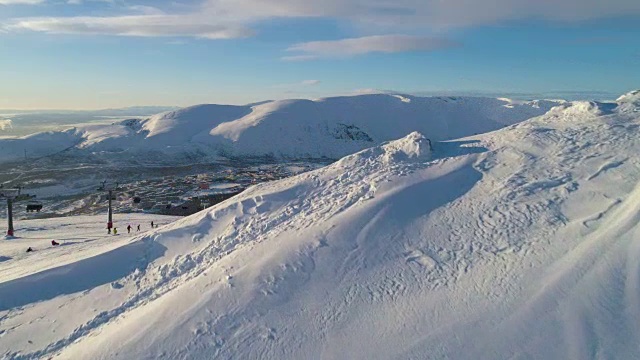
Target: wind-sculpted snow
520, 243
630, 102
325, 128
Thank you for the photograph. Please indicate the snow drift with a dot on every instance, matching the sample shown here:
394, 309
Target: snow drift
521, 243
331, 127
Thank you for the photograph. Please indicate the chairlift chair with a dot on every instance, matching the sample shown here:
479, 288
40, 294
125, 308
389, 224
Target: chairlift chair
34, 206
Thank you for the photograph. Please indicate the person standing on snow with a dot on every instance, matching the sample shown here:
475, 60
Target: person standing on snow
152, 225
129, 229
138, 229
115, 231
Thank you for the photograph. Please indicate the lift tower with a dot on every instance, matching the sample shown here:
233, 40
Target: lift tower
10, 195
109, 189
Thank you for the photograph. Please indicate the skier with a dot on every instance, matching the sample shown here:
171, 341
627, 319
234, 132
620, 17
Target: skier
54, 243
115, 231
152, 225
30, 249
129, 229
138, 229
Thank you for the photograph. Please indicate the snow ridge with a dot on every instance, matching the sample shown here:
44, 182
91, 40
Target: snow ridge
630, 102
415, 147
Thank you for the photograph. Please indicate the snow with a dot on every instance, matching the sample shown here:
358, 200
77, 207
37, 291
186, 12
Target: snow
335, 127
38, 145
323, 128
415, 146
519, 243
224, 186
630, 102
80, 236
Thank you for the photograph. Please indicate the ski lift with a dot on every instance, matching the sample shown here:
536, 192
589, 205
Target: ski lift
34, 206
9, 193
103, 186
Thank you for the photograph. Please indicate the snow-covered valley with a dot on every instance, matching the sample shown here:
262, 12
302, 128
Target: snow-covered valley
523, 242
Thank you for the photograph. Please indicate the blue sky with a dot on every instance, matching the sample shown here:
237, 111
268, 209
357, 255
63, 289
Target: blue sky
87, 54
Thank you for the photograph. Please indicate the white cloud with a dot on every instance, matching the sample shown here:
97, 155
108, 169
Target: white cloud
234, 18
434, 14
78, 2
22, 2
146, 10
301, 84
299, 58
310, 82
5, 124
369, 44
134, 25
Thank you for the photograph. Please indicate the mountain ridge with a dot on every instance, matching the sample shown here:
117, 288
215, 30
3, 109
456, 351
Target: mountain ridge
323, 128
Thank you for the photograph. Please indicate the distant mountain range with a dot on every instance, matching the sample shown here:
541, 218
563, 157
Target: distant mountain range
129, 111
16, 123
324, 128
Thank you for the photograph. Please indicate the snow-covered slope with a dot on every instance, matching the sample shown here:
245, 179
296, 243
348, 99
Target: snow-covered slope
38, 145
630, 102
331, 127
521, 243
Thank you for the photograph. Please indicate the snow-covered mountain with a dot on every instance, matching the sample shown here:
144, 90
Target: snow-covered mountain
331, 127
25, 122
520, 243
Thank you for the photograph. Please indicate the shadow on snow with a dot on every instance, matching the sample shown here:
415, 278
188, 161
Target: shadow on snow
80, 276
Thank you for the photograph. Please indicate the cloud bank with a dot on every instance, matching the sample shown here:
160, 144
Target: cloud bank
134, 25
298, 85
430, 13
367, 44
224, 19
21, 2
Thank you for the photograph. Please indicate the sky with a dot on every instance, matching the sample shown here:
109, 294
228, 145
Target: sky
92, 54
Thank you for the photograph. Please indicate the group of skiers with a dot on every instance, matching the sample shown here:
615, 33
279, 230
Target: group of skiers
53, 243
115, 232
130, 228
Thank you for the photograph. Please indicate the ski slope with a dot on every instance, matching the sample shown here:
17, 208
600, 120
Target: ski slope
330, 127
519, 243
78, 236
